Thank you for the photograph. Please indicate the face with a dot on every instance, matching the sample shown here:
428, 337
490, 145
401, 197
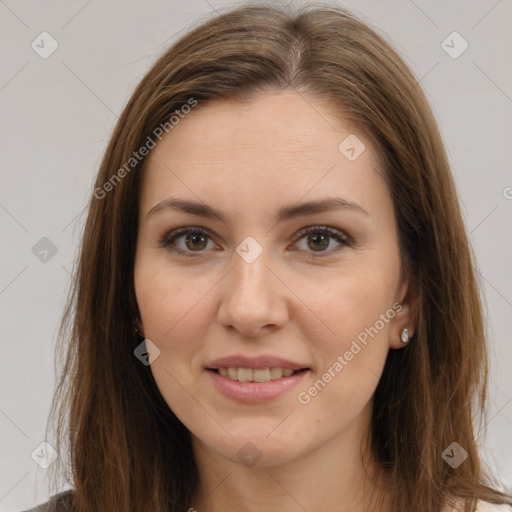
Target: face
253, 295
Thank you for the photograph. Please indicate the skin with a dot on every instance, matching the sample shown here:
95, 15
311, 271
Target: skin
248, 160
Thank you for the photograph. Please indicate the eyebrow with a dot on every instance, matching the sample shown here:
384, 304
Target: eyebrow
283, 214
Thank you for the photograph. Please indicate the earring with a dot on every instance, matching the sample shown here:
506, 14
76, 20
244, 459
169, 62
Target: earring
135, 328
404, 336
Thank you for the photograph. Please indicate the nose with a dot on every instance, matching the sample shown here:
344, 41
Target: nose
254, 299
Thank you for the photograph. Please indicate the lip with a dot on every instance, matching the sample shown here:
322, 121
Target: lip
254, 363
254, 392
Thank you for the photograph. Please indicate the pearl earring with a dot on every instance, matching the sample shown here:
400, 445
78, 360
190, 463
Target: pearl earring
404, 336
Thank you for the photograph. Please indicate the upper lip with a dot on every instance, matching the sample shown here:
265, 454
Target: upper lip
263, 361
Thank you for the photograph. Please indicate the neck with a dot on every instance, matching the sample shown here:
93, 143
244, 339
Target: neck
330, 477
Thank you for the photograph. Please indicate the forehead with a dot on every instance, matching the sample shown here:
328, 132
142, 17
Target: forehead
282, 122
275, 146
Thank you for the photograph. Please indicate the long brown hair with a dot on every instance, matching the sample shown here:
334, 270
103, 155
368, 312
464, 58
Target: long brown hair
127, 450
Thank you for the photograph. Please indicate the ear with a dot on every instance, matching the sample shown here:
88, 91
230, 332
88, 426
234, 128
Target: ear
140, 327
406, 314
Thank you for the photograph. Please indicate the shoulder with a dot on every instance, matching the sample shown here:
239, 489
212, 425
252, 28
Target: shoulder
482, 506
60, 502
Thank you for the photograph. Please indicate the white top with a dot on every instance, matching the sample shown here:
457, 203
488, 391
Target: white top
484, 506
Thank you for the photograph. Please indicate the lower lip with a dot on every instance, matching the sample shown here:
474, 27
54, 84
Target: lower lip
254, 392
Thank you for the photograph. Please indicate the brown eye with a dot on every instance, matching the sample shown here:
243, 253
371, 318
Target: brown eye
195, 241
318, 239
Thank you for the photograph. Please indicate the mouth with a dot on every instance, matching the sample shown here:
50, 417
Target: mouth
259, 375
255, 385
255, 379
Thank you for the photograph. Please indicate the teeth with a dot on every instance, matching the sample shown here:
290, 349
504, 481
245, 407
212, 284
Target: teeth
245, 375
259, 375
262, 375
276, 373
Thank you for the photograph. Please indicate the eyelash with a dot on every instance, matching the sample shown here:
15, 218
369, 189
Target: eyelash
169, 239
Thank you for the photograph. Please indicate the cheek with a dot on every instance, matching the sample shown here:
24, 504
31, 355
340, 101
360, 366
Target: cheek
172, 308
348, 306
165, 297
350, 335
351, 345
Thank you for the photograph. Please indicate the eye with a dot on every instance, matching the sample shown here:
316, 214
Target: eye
319, 237
196, 240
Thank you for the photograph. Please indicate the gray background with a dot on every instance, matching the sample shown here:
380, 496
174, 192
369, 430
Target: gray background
57, 115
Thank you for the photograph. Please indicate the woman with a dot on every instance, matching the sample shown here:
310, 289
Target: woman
275, 306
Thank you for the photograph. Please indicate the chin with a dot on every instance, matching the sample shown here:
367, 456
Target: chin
257, 448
